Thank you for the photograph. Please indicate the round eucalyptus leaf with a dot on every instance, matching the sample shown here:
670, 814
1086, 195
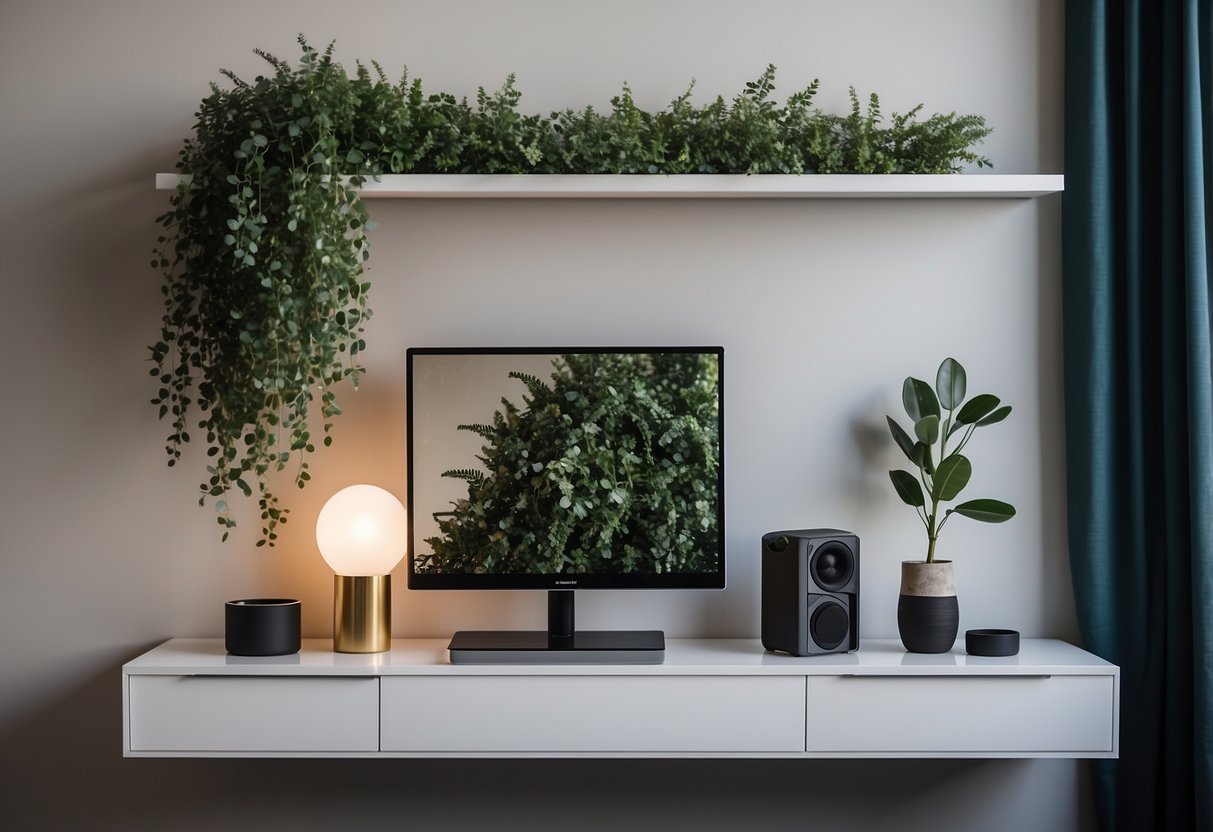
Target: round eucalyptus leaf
995, 417
907, 488
902, 439
951, 477
977, 408
927, 429
919, 399
985, 510
950, 382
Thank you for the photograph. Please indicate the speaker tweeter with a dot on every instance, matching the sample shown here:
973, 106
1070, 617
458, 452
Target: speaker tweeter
810, 591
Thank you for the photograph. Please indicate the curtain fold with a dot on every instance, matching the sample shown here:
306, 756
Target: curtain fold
1139, 390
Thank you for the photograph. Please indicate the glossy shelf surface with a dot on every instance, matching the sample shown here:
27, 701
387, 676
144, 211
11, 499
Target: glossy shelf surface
878, 657
701, 186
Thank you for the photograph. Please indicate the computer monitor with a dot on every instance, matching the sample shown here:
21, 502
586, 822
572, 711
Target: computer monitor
565, 468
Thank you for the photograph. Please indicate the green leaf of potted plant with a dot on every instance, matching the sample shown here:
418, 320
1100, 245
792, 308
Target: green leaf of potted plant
928, 613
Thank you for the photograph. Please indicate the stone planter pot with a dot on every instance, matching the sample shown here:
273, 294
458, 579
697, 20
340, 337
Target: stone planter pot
928, 614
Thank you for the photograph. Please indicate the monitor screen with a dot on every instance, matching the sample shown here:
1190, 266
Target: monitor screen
566, 468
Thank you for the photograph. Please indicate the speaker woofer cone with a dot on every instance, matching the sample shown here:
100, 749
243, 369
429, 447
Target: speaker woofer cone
831, 566
829, 625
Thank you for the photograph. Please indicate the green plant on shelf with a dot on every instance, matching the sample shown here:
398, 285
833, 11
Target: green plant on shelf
264, 294
263, 247
939, 416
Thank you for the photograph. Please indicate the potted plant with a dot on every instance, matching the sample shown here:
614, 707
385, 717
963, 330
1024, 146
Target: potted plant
928, 613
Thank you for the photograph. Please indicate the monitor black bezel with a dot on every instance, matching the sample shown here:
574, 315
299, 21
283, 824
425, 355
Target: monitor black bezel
684, 580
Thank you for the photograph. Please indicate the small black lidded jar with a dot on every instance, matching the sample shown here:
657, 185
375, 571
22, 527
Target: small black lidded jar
992, 642
262, 626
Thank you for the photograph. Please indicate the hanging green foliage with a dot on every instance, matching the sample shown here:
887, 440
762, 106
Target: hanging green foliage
263, 288
263, 247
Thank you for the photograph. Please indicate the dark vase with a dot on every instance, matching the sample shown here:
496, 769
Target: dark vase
926, 624
261, 626
928, 614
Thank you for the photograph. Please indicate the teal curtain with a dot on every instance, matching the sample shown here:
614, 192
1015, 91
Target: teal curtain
1139, 390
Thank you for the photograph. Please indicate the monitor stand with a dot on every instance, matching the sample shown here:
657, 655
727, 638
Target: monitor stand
561, 644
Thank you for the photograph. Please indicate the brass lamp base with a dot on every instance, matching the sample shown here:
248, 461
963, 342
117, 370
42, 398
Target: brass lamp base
362, 613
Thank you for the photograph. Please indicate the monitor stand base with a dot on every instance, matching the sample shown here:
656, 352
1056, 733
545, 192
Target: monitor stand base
539, 647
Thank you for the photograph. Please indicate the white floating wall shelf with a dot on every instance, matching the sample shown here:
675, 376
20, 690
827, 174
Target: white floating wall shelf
702, 186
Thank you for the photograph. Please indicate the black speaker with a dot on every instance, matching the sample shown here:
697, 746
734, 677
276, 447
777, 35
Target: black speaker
810, 591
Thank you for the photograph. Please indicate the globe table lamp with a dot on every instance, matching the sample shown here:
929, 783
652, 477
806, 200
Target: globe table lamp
362, 534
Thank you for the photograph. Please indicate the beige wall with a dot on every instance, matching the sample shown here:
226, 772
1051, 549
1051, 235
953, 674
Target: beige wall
822, 307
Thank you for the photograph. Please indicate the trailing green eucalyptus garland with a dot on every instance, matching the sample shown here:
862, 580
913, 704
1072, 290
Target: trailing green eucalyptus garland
264, 295
263, 247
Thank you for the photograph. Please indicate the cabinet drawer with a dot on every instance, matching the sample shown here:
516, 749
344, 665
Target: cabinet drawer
593, 714
257, 713
978, 714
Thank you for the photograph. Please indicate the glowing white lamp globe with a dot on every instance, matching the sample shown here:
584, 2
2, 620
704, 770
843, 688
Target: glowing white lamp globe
362, 533
362, 530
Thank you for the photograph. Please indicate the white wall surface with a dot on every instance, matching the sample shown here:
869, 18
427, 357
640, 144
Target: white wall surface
822, 307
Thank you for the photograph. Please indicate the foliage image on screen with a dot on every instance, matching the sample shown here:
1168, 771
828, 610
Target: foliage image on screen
608, 466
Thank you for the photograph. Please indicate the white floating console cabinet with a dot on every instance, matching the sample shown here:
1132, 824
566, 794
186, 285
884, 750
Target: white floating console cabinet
710, 698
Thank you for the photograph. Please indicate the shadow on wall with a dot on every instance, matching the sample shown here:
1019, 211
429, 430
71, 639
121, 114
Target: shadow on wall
63, 769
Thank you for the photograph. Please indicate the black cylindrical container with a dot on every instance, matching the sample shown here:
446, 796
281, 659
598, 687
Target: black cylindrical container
262, 626
928, 624
992, 642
